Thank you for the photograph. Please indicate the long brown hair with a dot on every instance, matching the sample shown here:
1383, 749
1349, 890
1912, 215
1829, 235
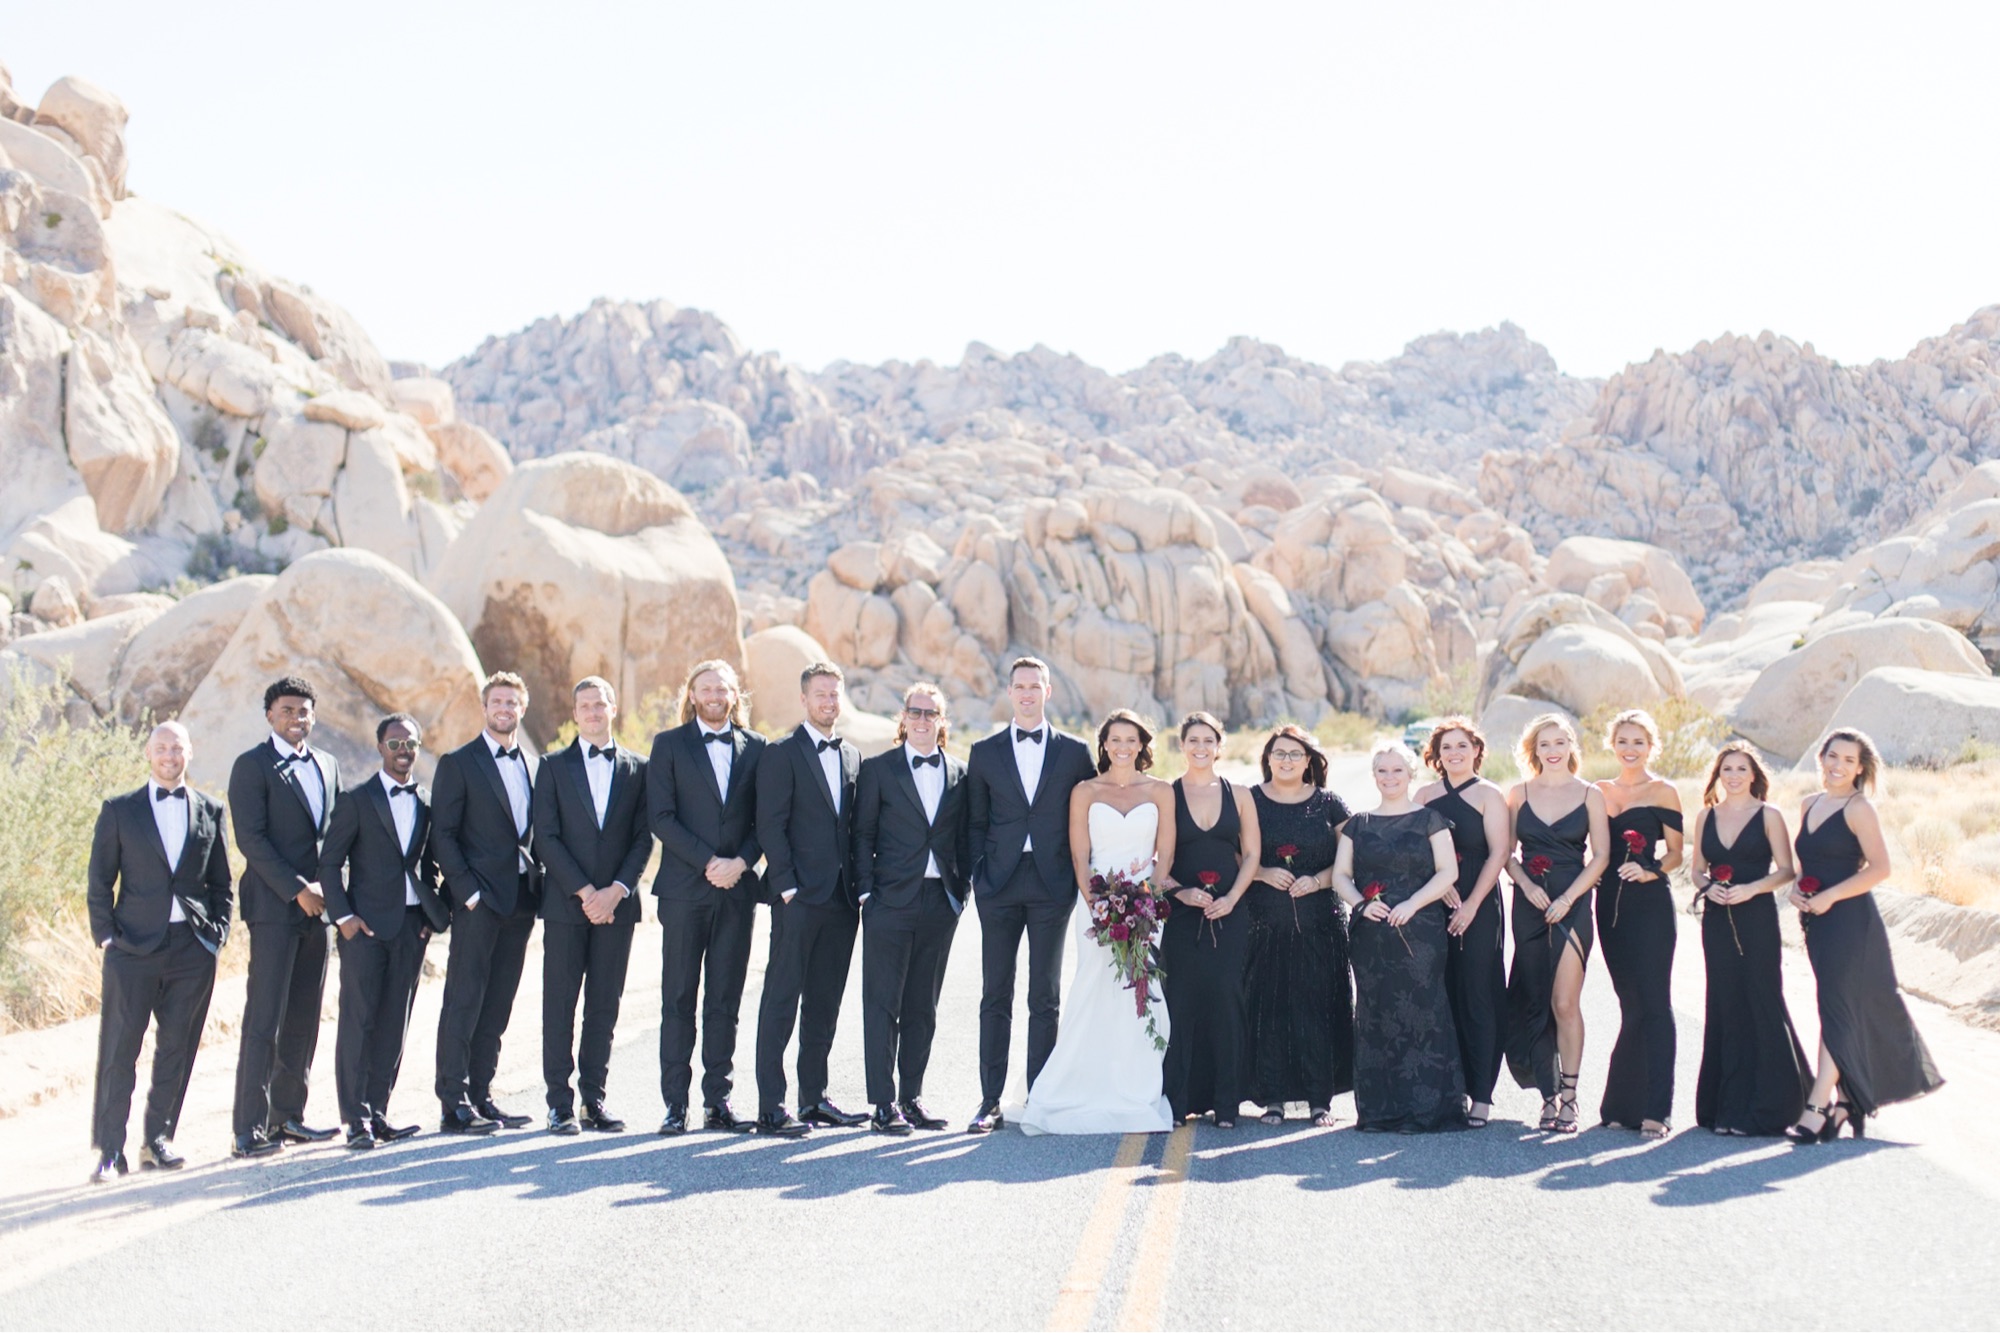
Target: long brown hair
740, 714
1871, 758
1144, 760
1760, 781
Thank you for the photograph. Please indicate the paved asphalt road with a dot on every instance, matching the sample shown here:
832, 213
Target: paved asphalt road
1257, 1227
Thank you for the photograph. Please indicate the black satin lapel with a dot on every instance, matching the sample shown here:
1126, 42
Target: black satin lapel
906, 782
483, 756
581, 776
385, 812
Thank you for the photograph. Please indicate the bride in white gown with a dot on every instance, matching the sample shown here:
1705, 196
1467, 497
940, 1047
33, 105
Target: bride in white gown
1104, 1075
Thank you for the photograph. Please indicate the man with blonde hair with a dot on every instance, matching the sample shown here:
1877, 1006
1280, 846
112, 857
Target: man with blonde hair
701, 798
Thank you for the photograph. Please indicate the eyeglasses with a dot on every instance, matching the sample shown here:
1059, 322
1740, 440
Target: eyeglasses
922, 714
1287, 756
402, 747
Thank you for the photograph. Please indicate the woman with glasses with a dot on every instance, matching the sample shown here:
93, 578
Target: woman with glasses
1301, 999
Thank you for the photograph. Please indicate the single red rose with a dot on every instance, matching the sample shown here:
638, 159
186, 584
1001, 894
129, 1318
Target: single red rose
1540, 865
1371, 893
1721, 874
1209, 879
1809, 886
1635, 841
1289, 850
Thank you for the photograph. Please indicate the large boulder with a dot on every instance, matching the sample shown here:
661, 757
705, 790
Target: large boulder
1922, 718
169, 658
774, 658
1584, 668
119, 437
88, 653
582, 565
94, 119
33, 456
1790, 704
1610, 571
371, 641
470, 457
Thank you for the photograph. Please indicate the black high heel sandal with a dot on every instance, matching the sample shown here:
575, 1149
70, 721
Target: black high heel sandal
1547, 1124
1852, 1121
1566, 1122
1802, 1136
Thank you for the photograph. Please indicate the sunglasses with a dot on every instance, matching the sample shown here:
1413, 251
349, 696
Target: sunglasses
923, 714
402, 747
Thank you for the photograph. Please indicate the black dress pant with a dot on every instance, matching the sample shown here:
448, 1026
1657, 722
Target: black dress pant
1025, 907
811, 947
903, 955
704, 956
590, 960
171, 985
280, 1022
482, 973
378, 988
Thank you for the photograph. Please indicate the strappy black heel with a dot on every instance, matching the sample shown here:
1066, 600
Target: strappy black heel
1802, 1136
1566, 1122
1548, 1121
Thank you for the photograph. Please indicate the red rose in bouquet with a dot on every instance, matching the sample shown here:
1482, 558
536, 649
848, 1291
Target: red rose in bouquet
1723, 875
1807, 887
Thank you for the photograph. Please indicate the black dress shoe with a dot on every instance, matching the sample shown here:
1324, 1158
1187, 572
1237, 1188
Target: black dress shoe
498, 1116
720, 1117
254, 1144
986, 1119
914, 1112
597, 1121
360, 1138
385, 1132
675, 1123
297, 1131
159, 1155
783, 1125
564, 1123
825, 1113
461, 1120
888, 1120
108, 1169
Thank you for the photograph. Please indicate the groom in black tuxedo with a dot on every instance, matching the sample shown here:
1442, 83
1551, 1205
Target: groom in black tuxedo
1018, 786
158, 893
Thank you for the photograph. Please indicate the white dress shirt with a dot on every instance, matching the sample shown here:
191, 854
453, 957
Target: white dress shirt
720, 757
930, 788
598, 773
306, 774
829, 762
1028, 757
171, 818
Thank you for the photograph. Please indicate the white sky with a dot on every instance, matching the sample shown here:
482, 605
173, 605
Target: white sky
1115, 180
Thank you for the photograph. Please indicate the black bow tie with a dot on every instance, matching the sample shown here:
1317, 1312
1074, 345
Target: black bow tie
926, 760
407, 789
604, 753
717, 737
285, 757
177, 794
504, 753
824, 746
1020, 735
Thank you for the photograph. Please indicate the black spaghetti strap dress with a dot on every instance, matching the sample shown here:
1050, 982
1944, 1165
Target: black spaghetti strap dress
1538, 946
1475, 965
1203, 965
1636, 927
1862, 1018
1754, 1075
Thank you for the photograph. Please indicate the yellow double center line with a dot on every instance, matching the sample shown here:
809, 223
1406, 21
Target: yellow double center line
1145, 1285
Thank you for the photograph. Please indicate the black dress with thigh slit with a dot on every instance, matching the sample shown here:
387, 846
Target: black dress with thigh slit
1539, 946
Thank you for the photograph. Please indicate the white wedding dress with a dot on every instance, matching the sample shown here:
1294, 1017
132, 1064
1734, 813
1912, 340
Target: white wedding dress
1104, 1075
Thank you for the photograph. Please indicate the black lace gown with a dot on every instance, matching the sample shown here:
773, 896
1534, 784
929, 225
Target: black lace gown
1301, 997
1754, 1075
1407, 1075
1538, 946
1862, 1018
1203, 965
1475, 965
1637, 930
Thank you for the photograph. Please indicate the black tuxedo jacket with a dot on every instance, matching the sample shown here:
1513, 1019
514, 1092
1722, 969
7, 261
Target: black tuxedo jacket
473, 834
275, 831
893, 838
808, 845
130, 888
576, 853
1003, 817
694, 819
363, 866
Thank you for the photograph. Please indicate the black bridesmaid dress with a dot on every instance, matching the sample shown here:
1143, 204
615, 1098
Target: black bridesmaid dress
1538, 946
1407, 1075
1475, 966
1862, 1018
1300, 993
1754, 1073
1203, 965
1636, 927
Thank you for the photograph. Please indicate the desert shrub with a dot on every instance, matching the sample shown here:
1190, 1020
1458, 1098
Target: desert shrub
1345, 731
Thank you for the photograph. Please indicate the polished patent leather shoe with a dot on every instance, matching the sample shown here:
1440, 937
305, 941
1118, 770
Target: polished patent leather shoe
720, 1117
297, 1131
498, 1116
159, 1155
986, 1119
564, 1123
360, 1138
597, 1121
385, 1132
915, 1112
826, 1114
888, 1120
675, 1123
460, 1120
109, 1169
254, 1144
783, 1125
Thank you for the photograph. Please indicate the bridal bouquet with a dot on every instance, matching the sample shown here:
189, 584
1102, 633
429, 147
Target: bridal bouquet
1125, 917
